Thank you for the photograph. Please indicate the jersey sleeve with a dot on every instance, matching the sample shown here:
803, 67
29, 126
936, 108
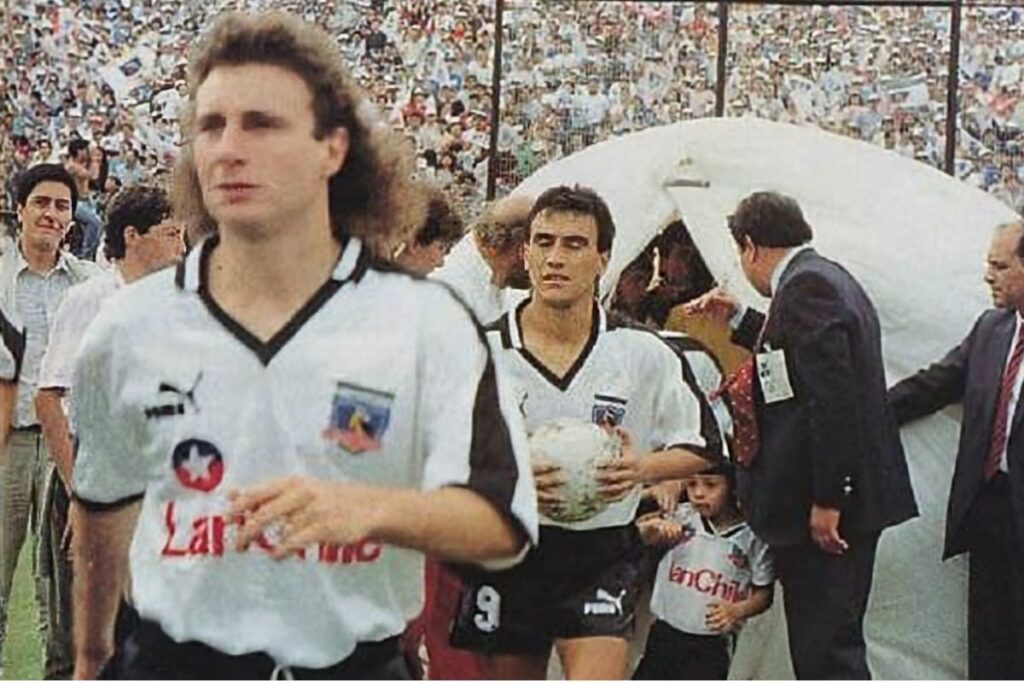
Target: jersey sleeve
109, 466
677, 410
472, 435
762, 571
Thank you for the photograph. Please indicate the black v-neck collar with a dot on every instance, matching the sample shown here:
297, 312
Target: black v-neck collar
721, 533
193, 274
597, 323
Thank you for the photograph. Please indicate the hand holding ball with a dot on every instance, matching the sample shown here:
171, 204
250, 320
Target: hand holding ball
567, 456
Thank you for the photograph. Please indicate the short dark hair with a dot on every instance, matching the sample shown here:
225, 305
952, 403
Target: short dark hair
75, 146
581, 200
42, 173
770, 219
442, 221
140, 207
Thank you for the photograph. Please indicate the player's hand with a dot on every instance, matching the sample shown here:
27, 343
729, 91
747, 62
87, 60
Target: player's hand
825, 530
299, 511
716, 303
666, 494
655, 529
548, 481
722, 617
622, 475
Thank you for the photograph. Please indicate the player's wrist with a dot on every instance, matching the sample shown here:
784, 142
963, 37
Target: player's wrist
645, 473
391, 514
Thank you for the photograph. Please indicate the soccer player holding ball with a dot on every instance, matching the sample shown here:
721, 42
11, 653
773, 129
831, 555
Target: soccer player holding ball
583, 381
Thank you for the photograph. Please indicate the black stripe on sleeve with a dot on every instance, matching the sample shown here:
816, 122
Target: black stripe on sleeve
492, 462
95, 506
679, 344
179, 273
708, 424
493, 472
14, 340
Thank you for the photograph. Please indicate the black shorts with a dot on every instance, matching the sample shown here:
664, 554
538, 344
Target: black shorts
672, 655
574, 584
150, 654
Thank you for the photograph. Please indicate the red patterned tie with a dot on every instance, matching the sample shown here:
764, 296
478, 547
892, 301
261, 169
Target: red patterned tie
739, 388
998, 443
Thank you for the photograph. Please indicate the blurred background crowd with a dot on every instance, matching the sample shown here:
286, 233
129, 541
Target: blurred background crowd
99, 84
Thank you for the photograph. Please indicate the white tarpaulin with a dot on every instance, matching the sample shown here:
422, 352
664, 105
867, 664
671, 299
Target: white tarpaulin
914, 237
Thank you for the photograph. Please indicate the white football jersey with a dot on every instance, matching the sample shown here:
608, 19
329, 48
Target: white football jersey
380, 379
624, 376
708, 565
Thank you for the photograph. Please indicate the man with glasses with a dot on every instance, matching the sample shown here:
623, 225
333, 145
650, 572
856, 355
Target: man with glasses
33, 281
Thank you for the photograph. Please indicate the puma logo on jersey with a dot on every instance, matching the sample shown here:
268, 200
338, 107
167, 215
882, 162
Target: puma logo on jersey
184, 397
606, 604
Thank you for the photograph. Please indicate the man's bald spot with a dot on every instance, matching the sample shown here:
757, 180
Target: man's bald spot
1010, 225
1013, 230
502, 225
512, 210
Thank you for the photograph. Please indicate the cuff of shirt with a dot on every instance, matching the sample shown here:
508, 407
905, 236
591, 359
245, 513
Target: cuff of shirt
737, 317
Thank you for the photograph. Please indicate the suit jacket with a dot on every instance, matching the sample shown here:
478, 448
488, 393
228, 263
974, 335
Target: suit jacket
835, 443
971, 374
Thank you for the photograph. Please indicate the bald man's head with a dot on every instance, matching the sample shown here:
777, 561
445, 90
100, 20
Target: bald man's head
1004, 267
503, 222
500, 233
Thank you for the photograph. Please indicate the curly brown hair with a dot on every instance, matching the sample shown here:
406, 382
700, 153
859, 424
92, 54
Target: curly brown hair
371, 196
442, 221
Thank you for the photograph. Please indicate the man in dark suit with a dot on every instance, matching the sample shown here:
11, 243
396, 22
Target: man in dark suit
825, 472
985, 515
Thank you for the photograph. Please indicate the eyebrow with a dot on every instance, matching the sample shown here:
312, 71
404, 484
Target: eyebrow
249, 117
37, 197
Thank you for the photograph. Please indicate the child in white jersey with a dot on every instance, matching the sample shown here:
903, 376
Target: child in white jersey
715, 575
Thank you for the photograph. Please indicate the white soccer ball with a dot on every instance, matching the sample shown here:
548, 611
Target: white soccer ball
579, 448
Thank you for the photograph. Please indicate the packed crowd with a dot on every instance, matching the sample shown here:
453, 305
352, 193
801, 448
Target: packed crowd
112, 74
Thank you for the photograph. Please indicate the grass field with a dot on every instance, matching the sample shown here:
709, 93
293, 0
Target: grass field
23, 651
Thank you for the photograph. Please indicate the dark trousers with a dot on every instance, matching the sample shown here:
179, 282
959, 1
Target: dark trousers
150, 654
995, 606
671, 655
825, 597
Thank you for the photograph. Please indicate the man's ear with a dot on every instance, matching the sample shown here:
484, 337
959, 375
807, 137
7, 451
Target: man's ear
131, 234
749, 244
337, 151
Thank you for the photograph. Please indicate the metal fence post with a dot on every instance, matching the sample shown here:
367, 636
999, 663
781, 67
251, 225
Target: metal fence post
492, 159
953, 87
723, 53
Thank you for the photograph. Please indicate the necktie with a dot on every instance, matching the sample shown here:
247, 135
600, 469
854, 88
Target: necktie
998, 442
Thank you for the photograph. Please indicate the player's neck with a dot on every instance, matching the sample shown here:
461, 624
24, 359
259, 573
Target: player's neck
262, 283
563, 325
727, 517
